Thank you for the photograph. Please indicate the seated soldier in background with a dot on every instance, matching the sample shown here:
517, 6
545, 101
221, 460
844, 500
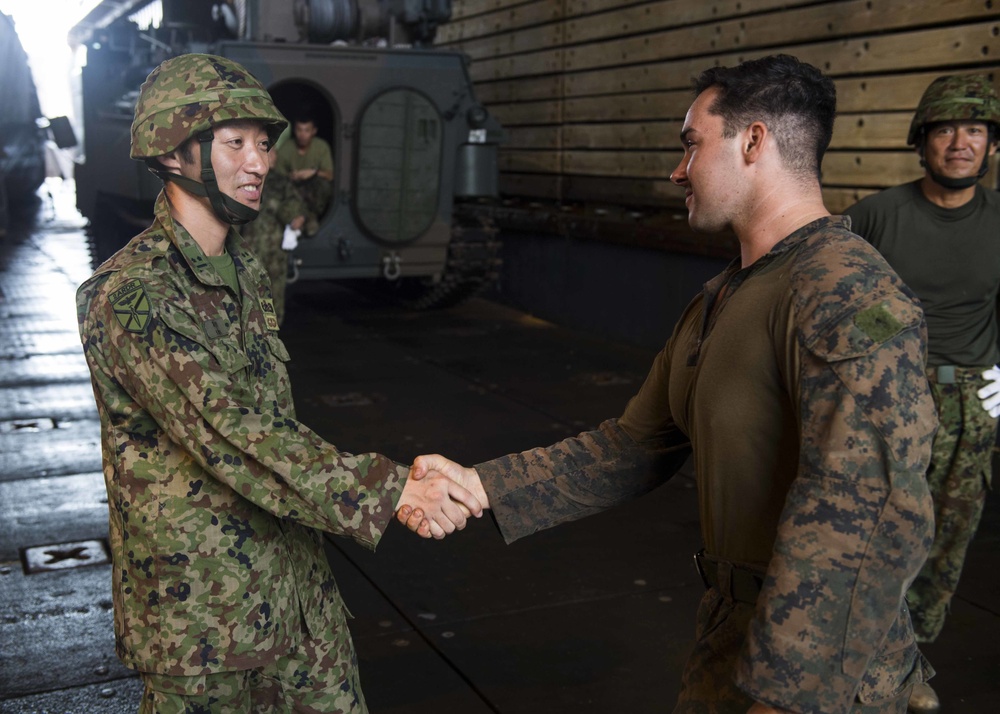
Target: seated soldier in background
308, 163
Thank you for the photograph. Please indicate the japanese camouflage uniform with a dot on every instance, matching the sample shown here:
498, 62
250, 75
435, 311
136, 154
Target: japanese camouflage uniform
279, 205
798, 384
215, 491
950, 257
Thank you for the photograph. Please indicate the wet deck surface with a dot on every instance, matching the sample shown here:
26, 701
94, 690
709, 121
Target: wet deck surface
591, 617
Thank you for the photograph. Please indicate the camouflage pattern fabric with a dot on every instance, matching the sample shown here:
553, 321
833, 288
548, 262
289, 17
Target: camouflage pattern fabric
958, 477
315, 194
280, 204
214, 489
956, 97
188, 94
318, 677
798, 383
720, 627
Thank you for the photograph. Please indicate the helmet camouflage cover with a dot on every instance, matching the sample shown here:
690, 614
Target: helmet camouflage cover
188, 94
957, 97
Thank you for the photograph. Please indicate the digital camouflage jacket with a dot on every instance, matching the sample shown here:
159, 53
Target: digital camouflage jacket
214, 488
798, 385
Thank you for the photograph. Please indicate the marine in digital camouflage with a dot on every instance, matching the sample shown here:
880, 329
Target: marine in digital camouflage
216, 492
798, 383
280, 204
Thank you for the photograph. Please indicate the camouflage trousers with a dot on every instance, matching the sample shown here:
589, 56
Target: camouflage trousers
320, 676
315, 194
707, 684
958, 477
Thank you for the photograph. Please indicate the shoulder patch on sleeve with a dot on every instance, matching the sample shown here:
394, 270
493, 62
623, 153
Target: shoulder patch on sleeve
878, 323
859, 333
131, 306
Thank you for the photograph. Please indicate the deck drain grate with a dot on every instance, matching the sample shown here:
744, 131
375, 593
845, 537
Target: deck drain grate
24, 426
63, 556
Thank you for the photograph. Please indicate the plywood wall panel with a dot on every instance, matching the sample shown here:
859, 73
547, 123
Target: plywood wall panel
593, 92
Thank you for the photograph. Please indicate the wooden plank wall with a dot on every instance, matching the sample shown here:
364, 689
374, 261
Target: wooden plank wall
593, 92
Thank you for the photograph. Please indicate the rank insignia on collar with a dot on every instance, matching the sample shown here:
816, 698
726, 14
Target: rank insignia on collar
270, 319
131, 306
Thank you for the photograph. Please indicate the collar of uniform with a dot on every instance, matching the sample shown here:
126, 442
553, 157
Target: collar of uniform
188, 246
734, 274
789, 242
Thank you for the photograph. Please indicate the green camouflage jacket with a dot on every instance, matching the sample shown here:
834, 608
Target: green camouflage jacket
798, 384
214, 488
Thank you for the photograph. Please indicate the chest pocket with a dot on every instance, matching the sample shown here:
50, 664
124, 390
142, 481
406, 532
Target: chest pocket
221, 354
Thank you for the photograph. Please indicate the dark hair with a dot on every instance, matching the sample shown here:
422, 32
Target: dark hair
186, 150
305, 114
795, 100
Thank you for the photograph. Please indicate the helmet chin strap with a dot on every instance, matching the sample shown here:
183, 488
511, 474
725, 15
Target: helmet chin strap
957, 184
227, 209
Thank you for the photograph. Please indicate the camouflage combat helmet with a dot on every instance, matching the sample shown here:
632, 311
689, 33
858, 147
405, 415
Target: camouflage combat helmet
965, 97
186, 97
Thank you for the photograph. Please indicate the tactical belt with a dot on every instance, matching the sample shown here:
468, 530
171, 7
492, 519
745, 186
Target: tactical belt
953, 374
738, 582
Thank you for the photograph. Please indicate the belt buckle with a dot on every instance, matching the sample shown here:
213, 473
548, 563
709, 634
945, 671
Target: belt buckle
946, 374
701, 571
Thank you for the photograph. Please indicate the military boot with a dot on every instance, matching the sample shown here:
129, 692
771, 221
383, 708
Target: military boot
923, 700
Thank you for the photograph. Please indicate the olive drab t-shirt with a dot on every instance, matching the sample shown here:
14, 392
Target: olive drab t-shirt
317, 156
226, 269
950, 258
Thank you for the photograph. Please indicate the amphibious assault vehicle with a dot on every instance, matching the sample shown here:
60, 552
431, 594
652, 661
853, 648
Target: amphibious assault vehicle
413, 150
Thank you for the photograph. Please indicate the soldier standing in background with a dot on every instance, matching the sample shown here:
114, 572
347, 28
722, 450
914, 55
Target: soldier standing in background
281, 208
941, 233
797, 380
224, 600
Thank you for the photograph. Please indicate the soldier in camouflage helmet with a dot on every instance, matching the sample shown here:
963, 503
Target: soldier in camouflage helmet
223, 598
940, 234
966, 98
797, 380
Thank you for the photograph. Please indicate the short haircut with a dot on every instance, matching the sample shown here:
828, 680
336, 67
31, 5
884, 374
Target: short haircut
305, 114
793, 99
186, 151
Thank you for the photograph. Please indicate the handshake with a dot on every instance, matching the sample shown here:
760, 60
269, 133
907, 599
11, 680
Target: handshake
439, 497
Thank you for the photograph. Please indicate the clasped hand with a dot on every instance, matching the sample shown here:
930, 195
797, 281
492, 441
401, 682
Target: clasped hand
439, 496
